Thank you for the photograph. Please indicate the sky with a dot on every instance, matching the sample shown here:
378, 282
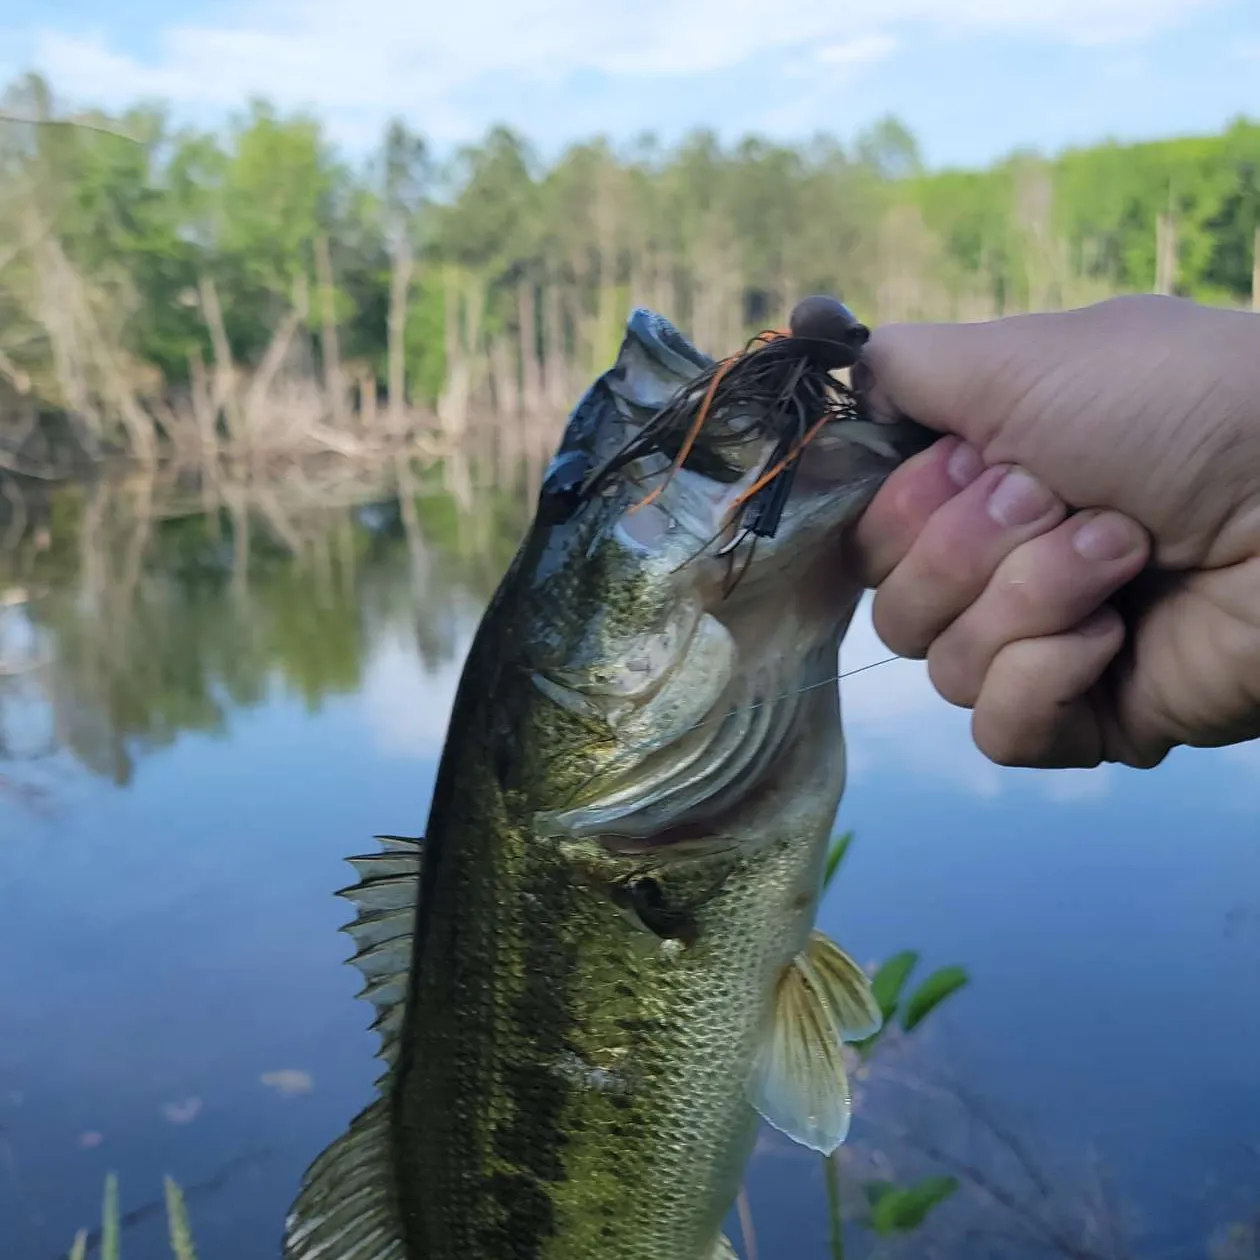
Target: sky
973, 79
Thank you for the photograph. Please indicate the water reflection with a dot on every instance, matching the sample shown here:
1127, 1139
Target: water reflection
211, 695
135, 616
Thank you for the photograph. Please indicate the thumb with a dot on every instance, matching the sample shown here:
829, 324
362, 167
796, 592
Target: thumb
955, 378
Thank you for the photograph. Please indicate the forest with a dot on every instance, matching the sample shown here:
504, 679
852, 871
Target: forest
168, 293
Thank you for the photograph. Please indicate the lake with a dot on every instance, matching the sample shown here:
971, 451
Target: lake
204, 713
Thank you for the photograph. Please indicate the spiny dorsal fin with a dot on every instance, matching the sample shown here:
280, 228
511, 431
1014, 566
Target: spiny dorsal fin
800, 1084
385, 899
346, 1207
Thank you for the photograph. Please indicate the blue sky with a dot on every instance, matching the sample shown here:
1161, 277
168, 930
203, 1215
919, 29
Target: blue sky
972, 78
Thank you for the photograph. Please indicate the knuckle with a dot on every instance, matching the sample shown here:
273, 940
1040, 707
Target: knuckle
951, 677
897, 626
941, 557
999, 741
1039, 590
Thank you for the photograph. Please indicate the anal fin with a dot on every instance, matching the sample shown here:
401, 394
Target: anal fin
346, 1208
800, 1084
385, 900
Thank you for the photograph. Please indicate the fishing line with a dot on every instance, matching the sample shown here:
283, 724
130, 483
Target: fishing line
787, 695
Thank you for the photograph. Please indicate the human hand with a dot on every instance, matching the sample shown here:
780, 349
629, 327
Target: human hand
1082, 568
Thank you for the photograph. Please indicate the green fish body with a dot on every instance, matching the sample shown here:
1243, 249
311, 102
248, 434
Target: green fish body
598, 969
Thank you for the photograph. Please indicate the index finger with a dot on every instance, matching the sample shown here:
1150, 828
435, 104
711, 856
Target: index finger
896, 516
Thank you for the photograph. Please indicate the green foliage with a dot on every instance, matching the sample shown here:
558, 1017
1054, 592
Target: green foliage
902, 1209
178, 1228
931, 993
723, 236
890, 979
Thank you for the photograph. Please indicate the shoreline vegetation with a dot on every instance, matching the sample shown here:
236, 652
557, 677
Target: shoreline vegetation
248, 299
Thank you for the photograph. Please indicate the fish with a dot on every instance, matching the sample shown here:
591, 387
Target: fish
598, 971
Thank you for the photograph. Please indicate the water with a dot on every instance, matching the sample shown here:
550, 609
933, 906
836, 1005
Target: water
192, 747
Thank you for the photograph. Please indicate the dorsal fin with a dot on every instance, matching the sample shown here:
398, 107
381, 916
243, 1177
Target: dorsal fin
347, 1208
385, 900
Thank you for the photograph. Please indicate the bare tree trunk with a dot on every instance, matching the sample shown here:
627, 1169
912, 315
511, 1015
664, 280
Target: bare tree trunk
329, 346
555, 360
399, 292
1165, 253
367, 401
465, 303
223, 395
254, 408
507, 394
531, 373
1255, 270
202, 404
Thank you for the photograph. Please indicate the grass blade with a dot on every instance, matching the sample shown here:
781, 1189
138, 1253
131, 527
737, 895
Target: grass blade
79, 1250
109, 1220
177, 1222
835, 856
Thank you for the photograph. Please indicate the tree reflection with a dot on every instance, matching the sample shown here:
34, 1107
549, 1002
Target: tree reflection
161, 608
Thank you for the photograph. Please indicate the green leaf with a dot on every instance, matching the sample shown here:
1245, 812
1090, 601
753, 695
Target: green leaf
897, 1209
877, 1191
931, 993
890, 979
836, 856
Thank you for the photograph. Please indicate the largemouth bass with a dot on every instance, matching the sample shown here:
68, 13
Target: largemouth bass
599, 969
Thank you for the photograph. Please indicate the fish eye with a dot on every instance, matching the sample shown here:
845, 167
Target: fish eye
561, 492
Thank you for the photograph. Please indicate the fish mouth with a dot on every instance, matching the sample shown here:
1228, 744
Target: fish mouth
728, 440
756, 426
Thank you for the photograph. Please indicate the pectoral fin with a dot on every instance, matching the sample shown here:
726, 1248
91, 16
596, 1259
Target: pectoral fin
800, 1084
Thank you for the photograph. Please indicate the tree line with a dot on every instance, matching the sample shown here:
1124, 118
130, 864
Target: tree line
165, 286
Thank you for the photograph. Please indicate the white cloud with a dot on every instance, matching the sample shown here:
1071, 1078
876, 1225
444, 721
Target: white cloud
895, 720
859, 51
359, 63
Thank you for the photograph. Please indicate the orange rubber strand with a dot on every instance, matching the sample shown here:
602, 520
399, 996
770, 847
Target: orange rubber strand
771, 473
702, 414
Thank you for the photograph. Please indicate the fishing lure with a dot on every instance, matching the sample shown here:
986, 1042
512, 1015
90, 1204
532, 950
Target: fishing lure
780, 384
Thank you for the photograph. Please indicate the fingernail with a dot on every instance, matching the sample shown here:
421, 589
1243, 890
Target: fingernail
964, 465
1019, 499
1105, 537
